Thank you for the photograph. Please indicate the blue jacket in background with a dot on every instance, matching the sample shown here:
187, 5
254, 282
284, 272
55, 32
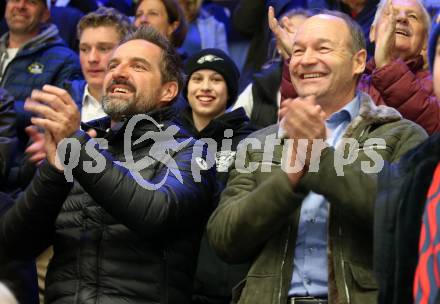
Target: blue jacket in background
76, 91
45, 59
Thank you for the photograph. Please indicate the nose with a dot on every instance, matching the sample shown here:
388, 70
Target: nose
143, 20
120, 72
401, 17
308, 57
206, 85
93, 56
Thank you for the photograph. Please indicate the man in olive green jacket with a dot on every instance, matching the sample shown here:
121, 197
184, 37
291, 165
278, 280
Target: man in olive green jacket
261, 214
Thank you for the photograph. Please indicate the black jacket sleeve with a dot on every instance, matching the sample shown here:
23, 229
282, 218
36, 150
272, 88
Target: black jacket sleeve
27, 228
172, 207
8, 137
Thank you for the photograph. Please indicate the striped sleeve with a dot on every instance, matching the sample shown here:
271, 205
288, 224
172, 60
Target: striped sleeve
427, 276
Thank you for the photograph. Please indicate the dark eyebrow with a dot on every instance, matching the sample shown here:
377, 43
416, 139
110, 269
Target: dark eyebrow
110, 44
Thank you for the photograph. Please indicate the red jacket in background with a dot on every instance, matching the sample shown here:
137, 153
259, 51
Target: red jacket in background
405, 86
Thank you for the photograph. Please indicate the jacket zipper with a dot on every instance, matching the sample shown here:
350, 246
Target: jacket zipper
283, 262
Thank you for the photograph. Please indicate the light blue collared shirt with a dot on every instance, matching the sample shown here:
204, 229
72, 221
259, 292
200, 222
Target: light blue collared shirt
310, 274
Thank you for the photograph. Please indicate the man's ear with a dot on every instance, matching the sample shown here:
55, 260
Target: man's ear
359, 62
168, 92
372, 34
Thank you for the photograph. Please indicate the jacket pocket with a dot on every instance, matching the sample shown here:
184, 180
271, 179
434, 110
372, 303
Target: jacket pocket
363, 277
363, 289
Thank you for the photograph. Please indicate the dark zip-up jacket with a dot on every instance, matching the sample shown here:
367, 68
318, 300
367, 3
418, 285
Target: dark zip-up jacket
114, 240
215, 279
8, 138
400, 204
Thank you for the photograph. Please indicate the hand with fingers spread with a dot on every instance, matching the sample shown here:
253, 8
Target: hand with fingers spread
303, 119
283, 38
385, 39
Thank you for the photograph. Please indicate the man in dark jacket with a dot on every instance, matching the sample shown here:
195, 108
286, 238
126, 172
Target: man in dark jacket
128, 229
405, 248
32, 54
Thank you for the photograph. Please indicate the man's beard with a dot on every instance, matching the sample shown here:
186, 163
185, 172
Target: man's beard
116, 108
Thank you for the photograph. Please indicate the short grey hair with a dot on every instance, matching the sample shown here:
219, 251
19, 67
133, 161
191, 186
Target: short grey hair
426, 16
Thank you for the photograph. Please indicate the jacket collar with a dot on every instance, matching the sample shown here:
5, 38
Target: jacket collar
48, 35
234, 120
161, 118
370, 114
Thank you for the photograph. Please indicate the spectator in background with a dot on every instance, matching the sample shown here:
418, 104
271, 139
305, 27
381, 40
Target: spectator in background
66, 19
407, 217
211, 88
250, 20
396, 75
166, 16
261, 99
204, 31
99, 33
32, 54
307, 229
